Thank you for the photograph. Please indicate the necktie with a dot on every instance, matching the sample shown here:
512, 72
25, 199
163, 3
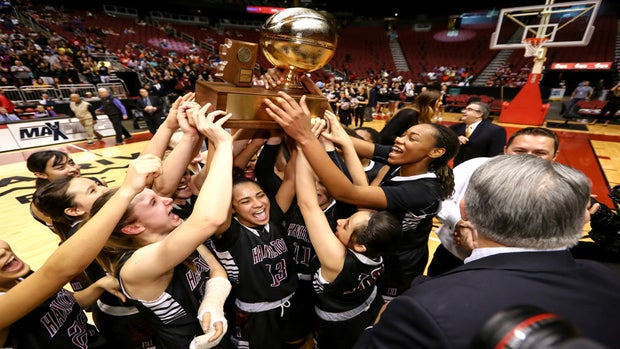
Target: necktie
468, 131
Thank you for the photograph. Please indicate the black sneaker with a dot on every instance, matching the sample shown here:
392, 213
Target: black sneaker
118, 143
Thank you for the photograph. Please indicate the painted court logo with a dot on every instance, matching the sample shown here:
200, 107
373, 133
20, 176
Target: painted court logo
49, 129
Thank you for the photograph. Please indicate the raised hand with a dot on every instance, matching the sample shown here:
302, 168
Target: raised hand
185, 116
111, 284
171, 120
292, 116
141, 173
336, 132
210, 127
272, 78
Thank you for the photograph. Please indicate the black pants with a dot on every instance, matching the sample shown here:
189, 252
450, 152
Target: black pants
609, 110
119, 129
152, 121
443, 261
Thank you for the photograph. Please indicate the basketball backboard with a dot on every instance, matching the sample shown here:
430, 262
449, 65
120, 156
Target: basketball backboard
562, 24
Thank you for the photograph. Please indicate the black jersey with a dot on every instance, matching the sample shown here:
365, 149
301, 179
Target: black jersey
353, 290
57, 323
185, 210
415, 201
260, 266
173, 314
120, 323
372, 170
299, 241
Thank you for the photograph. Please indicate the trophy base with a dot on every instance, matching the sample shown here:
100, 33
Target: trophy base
247, 103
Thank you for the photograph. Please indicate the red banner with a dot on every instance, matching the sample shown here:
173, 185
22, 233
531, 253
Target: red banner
584, 66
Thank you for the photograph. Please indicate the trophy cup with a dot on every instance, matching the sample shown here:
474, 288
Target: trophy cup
297, 40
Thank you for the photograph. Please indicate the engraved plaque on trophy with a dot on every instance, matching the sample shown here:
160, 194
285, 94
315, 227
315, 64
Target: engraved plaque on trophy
298, 40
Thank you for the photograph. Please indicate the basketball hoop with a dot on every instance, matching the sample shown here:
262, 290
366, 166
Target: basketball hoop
532, 45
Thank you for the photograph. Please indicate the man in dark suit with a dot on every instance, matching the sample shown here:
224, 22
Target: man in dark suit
477, 134
152, 108
158, 89
526, 213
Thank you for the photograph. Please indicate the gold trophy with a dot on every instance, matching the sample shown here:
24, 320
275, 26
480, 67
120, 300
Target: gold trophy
297, 40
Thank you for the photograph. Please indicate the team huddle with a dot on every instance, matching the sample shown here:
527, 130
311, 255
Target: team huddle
277, 239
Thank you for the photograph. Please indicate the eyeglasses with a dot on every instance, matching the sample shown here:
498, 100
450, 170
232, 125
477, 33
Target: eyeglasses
472, 109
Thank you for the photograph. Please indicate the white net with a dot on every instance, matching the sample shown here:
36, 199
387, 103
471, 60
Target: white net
532, 46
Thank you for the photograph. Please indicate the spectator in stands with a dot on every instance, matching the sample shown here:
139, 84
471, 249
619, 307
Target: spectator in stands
103, 72
40, 111
21, 73
158, 89
88, 96
583, 92
38, 82
6, 103
44, 72
5, 116
4, 81
90, 76
46, 100
63, 58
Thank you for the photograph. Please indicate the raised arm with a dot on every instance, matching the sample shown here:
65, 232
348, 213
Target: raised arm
159, 143
286, 193
175, 164
330, 251
294, 118
339, 136
77, 252
154, 261
249, 150
264, 170
88, 296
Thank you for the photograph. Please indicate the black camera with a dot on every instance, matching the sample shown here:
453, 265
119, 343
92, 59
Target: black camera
530, 327
614, 194
605, 224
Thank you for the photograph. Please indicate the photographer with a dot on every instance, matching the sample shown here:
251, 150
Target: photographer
605, 233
